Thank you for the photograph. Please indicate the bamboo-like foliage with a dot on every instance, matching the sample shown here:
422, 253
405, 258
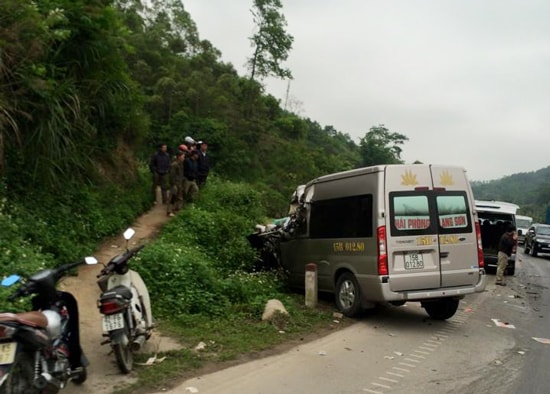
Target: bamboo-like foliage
66, 97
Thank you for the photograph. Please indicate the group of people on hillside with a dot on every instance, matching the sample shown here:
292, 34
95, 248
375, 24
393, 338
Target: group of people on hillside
181, 176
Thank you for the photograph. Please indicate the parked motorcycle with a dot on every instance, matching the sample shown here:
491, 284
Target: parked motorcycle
40, 350
125, 305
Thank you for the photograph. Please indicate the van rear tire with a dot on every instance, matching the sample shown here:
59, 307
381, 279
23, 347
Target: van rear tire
442, 309
348, 295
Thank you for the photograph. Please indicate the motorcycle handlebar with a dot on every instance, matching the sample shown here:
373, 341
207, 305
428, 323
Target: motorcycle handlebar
119, 260
18, 293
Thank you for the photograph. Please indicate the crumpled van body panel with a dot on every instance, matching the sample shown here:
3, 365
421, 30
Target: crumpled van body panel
404, 233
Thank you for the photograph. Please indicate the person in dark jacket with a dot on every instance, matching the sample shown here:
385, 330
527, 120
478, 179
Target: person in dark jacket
160, 168
204, 163
190, 174
505, 250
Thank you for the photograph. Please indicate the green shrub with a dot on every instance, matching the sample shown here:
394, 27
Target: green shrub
201, 263
184, 280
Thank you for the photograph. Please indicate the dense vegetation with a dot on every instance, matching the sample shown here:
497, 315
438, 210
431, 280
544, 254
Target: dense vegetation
87, 91
531, 191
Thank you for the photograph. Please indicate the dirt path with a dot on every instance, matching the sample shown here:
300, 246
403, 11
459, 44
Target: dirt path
103, 373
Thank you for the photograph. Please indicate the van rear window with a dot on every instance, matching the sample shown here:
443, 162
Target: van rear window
349, 217
411, 212
453, 212
429, 212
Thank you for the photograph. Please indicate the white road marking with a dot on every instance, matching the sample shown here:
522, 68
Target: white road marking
380, 385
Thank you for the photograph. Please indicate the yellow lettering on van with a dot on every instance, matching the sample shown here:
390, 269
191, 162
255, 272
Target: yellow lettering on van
338, 246
448, 239
426, 240
354, 247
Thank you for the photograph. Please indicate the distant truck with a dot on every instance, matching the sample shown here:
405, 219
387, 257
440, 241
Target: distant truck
522, 224
494, 217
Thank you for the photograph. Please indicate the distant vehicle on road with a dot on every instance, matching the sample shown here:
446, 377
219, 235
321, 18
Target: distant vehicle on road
522, 224
537, 239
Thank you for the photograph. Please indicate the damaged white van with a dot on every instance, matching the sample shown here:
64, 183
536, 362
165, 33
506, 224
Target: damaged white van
388, 233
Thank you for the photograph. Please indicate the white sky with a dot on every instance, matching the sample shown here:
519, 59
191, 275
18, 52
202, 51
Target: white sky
467, 81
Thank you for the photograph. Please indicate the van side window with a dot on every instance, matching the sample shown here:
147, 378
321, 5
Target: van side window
453, 213
410, 212
349, 217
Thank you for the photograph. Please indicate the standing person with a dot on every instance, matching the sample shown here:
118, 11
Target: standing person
175, 202
203, 163
505, 248
160, 166
190, 173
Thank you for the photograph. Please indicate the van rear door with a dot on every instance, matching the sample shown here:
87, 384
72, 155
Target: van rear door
431, 238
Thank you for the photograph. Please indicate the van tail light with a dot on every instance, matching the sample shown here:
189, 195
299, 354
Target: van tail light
480, 260
382, 251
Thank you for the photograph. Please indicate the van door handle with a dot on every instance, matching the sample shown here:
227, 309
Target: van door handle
444, 254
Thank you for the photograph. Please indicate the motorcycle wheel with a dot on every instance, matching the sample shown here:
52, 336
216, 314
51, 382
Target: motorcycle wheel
124, 355
20, 378
80, 377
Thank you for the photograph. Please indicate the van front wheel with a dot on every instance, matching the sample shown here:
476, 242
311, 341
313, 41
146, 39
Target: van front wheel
442, 309
348, 295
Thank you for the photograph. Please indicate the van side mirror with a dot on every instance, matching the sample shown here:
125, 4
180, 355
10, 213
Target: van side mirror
520, 232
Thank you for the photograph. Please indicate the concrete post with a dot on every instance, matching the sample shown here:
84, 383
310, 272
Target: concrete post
311, 285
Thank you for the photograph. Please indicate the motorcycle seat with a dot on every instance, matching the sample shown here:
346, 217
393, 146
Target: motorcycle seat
32, 319
119, 291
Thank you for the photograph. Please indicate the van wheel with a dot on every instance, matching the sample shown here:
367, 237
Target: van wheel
442, 309
510, 271
348, 295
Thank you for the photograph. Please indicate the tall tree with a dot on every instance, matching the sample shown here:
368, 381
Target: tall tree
271, 42
380, 146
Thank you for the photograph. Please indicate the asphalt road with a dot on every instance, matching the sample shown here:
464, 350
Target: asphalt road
534, 277
487, 346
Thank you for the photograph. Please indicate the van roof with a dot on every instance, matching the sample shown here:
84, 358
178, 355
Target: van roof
370, 170
524, 217
496, 206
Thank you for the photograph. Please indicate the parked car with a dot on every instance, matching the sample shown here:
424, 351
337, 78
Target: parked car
522, 224
494, 217
537, 239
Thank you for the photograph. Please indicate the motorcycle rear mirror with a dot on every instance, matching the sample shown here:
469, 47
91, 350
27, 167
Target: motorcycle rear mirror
90, 260
129, 233
10, 280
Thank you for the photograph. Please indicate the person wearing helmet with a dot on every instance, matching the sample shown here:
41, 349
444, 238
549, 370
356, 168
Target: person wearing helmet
190, 143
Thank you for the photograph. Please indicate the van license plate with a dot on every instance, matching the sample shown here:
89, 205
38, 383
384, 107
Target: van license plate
7, 352
113, 322
413, 261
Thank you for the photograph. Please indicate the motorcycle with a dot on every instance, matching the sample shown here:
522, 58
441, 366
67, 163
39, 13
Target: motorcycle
40, 350
127, 320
